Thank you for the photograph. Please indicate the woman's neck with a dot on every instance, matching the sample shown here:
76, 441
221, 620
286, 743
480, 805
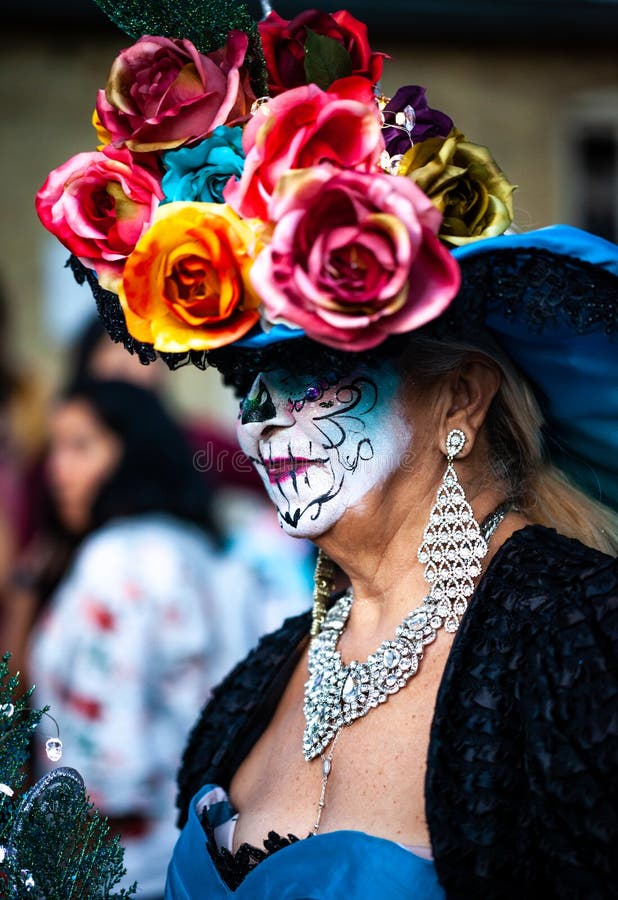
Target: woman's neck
376, 543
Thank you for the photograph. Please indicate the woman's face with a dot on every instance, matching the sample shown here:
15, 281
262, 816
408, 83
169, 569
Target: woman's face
82, 456
320, 447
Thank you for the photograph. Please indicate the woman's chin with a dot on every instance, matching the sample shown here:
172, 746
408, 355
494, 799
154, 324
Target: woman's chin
303, 525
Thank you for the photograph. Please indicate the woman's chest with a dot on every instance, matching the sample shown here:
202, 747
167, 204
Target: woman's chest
377, 771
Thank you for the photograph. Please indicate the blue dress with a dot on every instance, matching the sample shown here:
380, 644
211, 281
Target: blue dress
330, 866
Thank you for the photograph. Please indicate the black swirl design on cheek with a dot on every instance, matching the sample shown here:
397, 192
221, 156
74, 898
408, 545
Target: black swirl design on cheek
354, 402
357, 400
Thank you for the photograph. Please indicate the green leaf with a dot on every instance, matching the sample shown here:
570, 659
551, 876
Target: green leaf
326, 60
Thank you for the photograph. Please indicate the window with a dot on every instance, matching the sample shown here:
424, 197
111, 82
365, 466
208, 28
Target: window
589, 190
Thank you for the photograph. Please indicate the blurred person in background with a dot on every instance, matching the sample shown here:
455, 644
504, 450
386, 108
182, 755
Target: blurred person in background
253, 536
22, 427
145, 615
95, 355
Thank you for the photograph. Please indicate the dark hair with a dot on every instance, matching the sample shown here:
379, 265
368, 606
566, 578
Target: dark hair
156, 471
8, 376
86, 343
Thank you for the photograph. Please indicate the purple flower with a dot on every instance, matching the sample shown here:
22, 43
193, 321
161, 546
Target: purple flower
418, 120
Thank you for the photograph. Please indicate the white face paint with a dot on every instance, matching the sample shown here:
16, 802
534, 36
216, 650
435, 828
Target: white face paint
321, 447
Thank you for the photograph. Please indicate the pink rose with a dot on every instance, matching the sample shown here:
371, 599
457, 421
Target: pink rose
301, 128
162, 92
98, 205
353, 258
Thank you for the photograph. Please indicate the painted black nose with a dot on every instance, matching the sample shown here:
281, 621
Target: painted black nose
257, 405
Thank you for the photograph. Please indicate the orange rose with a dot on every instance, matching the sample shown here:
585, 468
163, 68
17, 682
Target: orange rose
186, 286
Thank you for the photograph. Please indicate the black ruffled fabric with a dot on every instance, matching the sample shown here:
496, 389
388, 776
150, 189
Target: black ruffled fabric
238, 712
234, 867
522, 778
522, 775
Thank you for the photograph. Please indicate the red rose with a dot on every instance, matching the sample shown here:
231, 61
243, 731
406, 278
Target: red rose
283, 43
301, 128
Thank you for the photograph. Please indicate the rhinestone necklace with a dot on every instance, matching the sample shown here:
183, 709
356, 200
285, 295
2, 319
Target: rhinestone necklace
337, 694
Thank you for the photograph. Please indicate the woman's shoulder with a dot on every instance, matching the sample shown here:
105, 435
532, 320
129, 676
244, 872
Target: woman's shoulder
130, 532
547, 606
544, 597
527, 700
159, 544
539, 568
538, 545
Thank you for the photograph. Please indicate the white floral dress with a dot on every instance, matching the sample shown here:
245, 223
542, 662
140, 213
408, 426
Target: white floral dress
147, 620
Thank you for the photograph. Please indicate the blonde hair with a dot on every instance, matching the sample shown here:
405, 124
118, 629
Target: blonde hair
518, 459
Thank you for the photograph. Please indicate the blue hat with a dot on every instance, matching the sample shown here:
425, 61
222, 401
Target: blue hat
550, 297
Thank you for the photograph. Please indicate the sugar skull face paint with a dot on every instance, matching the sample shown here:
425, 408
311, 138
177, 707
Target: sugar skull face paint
321, 445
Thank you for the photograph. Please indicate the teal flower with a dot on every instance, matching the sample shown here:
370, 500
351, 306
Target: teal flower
200, 173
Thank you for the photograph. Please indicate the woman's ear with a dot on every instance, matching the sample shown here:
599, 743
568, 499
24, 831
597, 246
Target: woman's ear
468, 395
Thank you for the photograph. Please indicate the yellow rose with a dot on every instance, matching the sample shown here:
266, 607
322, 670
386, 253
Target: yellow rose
185, 286
465, 183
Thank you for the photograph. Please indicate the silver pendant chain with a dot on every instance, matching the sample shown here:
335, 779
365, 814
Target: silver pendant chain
337, 694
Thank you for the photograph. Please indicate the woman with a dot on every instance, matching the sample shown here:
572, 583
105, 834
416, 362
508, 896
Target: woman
22, 426
487, 754
441, 726
133, 633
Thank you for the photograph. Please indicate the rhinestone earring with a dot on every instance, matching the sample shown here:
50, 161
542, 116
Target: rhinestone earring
453, 546
323, 581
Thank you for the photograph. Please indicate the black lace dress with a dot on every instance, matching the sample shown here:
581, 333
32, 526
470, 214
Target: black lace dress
522, 773
234, 867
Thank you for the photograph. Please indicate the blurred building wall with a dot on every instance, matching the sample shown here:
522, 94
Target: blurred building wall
522, 103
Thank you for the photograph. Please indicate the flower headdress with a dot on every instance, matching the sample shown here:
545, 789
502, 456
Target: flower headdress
251, 176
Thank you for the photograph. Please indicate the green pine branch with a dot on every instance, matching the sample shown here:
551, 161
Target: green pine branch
54, 845
206, 23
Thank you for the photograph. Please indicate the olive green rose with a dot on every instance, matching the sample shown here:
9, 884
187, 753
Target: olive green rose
465, 183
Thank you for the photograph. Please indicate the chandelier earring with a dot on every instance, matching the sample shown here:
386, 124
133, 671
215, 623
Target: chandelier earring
453, 546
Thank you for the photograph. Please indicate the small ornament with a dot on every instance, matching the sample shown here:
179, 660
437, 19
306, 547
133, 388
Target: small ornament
390, 164
5, 789
7, 709
409, 116
53, 748
381, 99
455, 442
260, 105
